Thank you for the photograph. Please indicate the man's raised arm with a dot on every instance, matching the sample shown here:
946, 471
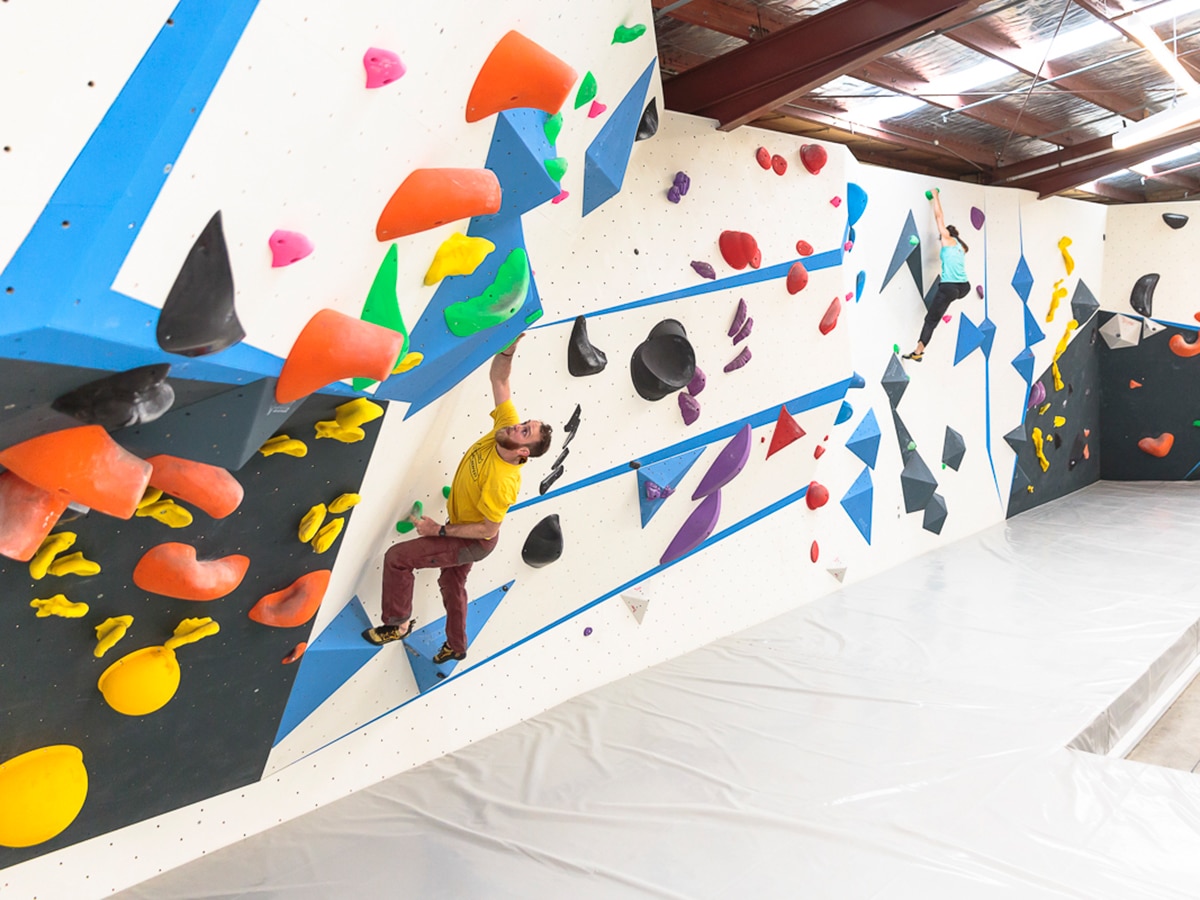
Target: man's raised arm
501, 370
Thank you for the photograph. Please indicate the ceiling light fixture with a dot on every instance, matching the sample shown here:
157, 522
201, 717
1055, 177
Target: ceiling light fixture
1184, 113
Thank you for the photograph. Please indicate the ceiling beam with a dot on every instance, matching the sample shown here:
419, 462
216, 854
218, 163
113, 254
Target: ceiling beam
1057, 158
1099, 9
730, 17
742, 85
1112, 192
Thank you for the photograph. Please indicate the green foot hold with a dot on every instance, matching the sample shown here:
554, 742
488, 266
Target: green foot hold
929, 195
587, 90
895, 348
624, 35
408, 523
498, 303
534, 316
446, 492
914, 240
552, 128
557, 168
912, 445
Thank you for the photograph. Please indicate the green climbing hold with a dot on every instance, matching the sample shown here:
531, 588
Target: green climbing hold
912, 445
914, 240
929, 195
409, 522
624, 35
498, 303
587, 90
382, 306
533, 316
895, 348
446, 492
557, 167
1197, 423
552, 128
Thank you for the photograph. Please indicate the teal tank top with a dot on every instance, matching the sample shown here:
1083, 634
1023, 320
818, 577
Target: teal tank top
954, 263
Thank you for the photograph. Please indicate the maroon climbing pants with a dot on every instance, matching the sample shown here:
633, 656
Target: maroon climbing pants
454, 556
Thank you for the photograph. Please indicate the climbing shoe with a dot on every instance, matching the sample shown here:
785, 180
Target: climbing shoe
446, 654
915, 357
385, 634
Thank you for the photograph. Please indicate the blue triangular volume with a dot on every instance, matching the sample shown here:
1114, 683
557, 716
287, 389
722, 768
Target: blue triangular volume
423, 643
1022, 280
864, 442
608, 154
845, 411
970, 339
988, 329
904, 249
1033, 332
666, 474
329, 662
856, 203
857, 503
517, 156
1023, 363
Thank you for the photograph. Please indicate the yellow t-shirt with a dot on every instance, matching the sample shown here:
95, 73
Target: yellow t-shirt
485, 485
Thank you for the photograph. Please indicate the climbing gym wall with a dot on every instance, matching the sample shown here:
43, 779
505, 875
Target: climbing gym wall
255, 300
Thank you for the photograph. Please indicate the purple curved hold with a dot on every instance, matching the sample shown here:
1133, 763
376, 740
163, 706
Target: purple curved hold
689, 406
727, 465
704, 270
657, 492
682, 182
587, 631
695, 530
977, 217
673, 194
739, 318
744, 331
699, 380
979, 290
1037, 394
738, 361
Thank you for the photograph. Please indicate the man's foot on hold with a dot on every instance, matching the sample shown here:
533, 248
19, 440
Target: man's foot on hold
915, 356
385, 634
446, 654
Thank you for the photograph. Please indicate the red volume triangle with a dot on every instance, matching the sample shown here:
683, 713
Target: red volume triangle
787, 430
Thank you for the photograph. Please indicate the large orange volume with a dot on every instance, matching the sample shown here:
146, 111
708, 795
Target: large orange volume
428, 198
27, 513
295, 604
333, 346
519, 73
210, 488
85, 465
172, 570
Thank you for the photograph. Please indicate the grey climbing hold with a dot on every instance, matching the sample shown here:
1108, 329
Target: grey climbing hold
582, 357
935, 514
663, 363
544, 544
1175, 220
953, 449
1083, 304
903, 438
1017, 438
917, 483
1141, 298
545, 483
895, 381
198, 316
120, 400
648, 125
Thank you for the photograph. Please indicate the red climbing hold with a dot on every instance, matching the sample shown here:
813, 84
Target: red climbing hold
27, 513
804, 248
818, 451
295, 604
787, 429
333, 346
830, 319
817, 495
1134, 384
763, 155
814, 157
172, 570
1159, 446
740, 249
797, 278
814, 552
779, 164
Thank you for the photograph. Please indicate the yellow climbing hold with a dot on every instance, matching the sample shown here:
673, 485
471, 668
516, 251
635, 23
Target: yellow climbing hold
191, 630
145, 680
109, 632
53, 545
152, 495
41, 793
1060, 421
1063, 243
1036, 437
1055, 298
166, 511
312, 522
346, 420
281, 443
342, 503
327, 535
458, 255
410, 361
73, 564
59, 605
1042, 409
1059, 351
1058, 379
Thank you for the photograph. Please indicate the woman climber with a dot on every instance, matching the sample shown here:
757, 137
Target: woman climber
954, 284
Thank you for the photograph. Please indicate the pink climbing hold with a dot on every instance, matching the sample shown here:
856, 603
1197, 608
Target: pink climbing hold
946, 319
563, 195
797, 278
835, 202
689, 407
849, 296
597, 108
817, 495
814, 157
738, 361
830, 319
848, 246
740, 249
288, 247
383, 67
763, 155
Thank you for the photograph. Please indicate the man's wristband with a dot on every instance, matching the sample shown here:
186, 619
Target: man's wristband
442, 531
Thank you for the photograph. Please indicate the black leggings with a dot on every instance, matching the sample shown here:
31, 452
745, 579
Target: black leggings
948, 292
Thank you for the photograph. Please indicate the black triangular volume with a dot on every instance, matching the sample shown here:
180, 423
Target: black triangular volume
198, 316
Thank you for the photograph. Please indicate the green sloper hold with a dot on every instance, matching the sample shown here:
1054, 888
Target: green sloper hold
587, 90
383, 307
557, 167
497, 304
624, 35
552, 128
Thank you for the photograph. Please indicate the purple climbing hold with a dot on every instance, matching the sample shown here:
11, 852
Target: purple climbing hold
587, 632
704, 270
979, 290
682, 182
738, 361
739, 318
727, 465
695, 530
657, 492
696, 385
1037, 395
673, 194
744, 331
383, 67
689, 406
977, 217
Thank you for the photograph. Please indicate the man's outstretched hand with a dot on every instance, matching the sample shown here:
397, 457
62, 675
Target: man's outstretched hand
427, 527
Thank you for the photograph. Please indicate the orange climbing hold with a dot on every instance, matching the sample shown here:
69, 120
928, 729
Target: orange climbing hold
787, 429
519, 73
1180, 347
27, 513
295, 604
333, 346
428, 198
295, 653
210, 488
1159, 446
172, 570
1134, 384
85, 465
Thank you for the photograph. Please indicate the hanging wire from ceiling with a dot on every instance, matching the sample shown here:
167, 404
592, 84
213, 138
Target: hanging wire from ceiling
1037, 75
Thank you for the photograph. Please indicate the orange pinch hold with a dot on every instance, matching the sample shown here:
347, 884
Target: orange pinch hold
1134, 384
172, 570
295, 653
333, 346
209, 488
1159, 446
27, 513
85, 465
1180, 347
295, 604
428, 198
518, 73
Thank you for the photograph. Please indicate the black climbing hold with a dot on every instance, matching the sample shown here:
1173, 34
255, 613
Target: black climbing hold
935, 514
544, 544
907, 445
116, 401
582, 357
558, 460
549, 480
1142, 296
667, 327
1175, 220
198, 317
917, 483
953, 449
663, 363
894, 381
634, 464
648, 126
1076, 452
1017, 438
573, 422
1083, 304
